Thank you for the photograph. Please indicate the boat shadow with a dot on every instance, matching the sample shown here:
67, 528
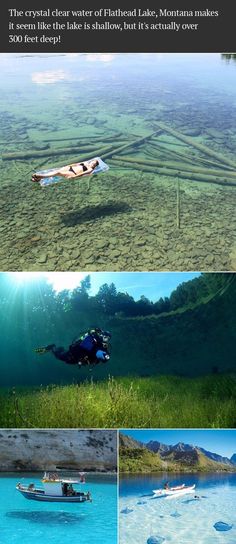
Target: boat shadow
94, 213
45, 518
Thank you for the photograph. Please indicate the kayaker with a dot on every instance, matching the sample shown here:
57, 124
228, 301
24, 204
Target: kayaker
71, 171
167, 485
90, 348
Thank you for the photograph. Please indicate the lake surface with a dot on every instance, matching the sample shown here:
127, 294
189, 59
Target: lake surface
65, 108
183, 519
31, 521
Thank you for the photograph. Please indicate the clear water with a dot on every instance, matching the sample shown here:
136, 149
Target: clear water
127, 219
33, 315
181, 519
30, 521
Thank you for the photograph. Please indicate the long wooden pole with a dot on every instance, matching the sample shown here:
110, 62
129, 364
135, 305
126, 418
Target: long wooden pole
35, 154
178, 155
181, 167
131, 144
90, 138
177, 173
200, 147
178, 204
106, 152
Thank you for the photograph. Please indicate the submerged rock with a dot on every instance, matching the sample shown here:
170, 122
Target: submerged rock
155, 539
222, 526
175, 515
126, 511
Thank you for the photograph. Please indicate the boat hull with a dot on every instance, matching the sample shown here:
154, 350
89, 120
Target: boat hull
32, 496
173, 492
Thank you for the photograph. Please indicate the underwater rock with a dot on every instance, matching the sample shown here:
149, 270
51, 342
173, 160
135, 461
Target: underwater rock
214, 133
192, 132
175, 515
155, 539
222, 526
75, 254
101, 244
126, 511
42, 258
35, 239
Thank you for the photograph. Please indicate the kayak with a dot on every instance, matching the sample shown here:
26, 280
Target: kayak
52, 177
174, 491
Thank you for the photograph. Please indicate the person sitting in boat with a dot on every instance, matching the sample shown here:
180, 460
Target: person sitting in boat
167, 485
71, 171
90, 348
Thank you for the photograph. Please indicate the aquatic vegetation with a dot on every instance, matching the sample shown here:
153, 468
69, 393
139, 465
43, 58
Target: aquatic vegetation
184, 335
157, 402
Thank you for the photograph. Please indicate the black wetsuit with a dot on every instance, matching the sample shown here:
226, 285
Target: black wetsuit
81, 351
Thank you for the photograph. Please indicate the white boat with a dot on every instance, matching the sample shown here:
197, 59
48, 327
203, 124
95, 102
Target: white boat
174, 491
54, 489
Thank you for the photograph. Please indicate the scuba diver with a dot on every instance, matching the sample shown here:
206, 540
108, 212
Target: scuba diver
90, 349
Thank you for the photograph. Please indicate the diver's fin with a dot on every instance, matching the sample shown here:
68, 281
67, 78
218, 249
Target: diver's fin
44, 349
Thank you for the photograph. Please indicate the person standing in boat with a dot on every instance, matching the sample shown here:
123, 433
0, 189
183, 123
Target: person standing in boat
71, 171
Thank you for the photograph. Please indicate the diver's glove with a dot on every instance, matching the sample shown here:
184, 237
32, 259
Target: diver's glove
44, 349
102, 356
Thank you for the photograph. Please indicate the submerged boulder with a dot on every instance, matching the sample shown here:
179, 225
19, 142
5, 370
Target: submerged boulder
155, 539
175, 515
222, 526
126, 510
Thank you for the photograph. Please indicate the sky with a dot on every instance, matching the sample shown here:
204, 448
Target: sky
222, 442
151, 284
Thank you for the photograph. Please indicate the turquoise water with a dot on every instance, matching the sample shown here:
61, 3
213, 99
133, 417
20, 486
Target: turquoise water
64, 108
181, 519
30, 521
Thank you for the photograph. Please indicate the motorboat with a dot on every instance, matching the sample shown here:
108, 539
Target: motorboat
174, 491
54, 489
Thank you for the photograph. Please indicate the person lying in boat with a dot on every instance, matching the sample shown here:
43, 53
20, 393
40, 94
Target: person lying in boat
90, 348
71, 171
176, 488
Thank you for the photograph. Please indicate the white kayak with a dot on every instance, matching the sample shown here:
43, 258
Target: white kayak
174, 491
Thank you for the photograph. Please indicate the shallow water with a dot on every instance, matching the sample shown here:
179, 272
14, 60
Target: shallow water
127, 219
26, 521
182, 519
